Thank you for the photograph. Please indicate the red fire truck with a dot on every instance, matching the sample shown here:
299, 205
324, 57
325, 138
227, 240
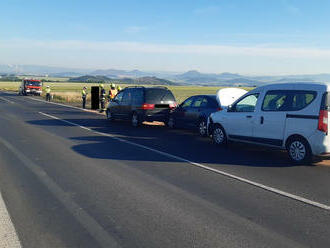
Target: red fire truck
30, 87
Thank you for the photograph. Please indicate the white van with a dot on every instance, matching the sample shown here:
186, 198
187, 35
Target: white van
289, 116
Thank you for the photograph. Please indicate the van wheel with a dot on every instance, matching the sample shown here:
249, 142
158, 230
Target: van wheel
109, 115
202, 127
299, 151
219, 135
135, 120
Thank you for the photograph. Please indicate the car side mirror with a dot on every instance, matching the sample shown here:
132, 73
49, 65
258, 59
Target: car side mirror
230, 108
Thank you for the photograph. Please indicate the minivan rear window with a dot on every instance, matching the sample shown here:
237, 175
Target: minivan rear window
325, 101
287, 100
157, 95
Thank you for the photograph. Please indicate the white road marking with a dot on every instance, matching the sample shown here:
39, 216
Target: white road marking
8, 235
64, 105
87, 221
6, 100
256, 184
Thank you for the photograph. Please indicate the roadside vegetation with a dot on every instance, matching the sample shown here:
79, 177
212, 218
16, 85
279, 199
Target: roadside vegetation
67, 92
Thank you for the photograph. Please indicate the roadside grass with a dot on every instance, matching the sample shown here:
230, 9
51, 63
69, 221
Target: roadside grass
67, 92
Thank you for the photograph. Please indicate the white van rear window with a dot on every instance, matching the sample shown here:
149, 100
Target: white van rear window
325, 101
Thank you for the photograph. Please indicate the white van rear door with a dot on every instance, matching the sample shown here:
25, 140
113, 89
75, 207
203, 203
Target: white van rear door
284, 112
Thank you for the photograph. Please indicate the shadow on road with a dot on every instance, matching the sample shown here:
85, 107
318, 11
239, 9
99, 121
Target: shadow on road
182, 143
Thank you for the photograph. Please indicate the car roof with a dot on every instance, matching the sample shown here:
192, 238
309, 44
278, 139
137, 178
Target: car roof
294, 86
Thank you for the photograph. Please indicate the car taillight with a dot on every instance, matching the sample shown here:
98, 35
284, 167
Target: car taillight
323, 121
147, 106
172, 105
219, 109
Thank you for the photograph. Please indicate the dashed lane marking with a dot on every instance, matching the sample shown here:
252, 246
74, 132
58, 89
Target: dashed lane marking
64, 105
241, 179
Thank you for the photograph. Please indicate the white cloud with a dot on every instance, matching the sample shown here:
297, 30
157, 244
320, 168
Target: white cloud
262, 59
150, 48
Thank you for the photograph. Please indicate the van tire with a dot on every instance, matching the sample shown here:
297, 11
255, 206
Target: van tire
219, 136
299, 150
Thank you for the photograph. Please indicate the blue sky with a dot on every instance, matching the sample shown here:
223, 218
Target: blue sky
249, 37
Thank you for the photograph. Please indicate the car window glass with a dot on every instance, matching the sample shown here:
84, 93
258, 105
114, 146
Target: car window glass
325, 101
198, 101
205, 103
187, 103
127, 96
301, 100
137, 96
287, 100
247, 104
119, 96
158, 94
275, 101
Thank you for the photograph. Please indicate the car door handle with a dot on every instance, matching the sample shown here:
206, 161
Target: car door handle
261, 120
249, 116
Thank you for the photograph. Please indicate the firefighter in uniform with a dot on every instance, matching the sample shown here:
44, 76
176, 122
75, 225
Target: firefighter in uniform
84, 96
48, 93
113, 91
102, 97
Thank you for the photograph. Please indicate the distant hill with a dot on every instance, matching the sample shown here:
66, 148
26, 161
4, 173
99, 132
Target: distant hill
137, 81
144, 80
66, 74
192, 77
120, 73
153, 81
90, 79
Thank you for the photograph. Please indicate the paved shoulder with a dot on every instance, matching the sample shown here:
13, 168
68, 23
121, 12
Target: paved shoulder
8, 235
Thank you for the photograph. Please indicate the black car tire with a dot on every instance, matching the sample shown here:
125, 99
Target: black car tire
135, 120
202, 127
299, 150
219, 136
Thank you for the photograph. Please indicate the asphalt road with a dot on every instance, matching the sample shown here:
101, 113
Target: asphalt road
70, 178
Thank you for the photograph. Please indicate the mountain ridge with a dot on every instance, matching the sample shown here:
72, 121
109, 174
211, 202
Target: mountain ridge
191, 77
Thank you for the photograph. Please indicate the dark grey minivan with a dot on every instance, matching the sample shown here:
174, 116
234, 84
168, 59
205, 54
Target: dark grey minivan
139, 104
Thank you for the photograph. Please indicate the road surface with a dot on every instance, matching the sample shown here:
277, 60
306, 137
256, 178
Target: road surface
70, 178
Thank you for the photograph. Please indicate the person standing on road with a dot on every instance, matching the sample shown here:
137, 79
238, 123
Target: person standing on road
113, 91
102, 97
84, 96
48, 93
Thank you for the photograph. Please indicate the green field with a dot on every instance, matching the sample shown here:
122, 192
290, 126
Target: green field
67, 92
